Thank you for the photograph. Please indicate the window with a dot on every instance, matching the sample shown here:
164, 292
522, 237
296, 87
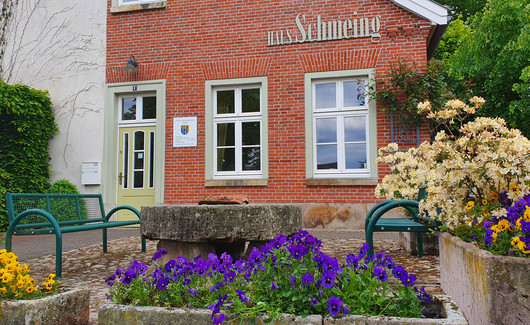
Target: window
134, 2
237, 131
340, 126
236, 137
134, 109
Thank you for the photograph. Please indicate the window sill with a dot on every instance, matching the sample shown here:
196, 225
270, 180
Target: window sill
235, 182
341, 181
144, 6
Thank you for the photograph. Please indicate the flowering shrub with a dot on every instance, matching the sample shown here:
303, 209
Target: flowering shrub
471, 176
286, 276
16, 282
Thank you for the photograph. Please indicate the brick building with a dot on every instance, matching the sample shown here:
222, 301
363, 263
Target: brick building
259, 98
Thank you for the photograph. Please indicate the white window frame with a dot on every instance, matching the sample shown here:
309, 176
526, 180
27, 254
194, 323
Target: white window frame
339, 112
139, 112
238, 117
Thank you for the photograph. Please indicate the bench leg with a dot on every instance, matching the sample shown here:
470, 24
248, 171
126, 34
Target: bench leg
370, 241
420, 244
143, 245
58, 255
104, 240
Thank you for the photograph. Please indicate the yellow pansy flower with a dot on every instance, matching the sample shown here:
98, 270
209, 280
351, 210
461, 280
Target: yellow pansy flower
503, 225
514, 188
484, 202
470, 205
31, 289
3, 290
50, 277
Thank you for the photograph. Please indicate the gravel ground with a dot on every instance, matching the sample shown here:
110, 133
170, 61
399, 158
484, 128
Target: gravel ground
89, 267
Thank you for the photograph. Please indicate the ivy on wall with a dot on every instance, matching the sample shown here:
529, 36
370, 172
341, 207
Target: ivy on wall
27, 125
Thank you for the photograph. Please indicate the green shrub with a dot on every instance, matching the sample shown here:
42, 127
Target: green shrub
27, 120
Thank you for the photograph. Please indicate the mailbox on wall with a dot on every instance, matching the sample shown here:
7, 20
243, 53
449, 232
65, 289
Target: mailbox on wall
91, 173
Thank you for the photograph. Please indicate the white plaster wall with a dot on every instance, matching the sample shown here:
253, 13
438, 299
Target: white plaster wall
59, 46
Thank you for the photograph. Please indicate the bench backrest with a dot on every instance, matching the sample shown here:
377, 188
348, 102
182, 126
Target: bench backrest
63, 207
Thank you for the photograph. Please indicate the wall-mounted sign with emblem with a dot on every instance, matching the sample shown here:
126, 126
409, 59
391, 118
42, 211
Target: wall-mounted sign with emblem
185, 132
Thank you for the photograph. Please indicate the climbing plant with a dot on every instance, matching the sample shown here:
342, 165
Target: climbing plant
27, 120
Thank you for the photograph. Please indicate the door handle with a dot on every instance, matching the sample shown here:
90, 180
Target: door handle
120, 178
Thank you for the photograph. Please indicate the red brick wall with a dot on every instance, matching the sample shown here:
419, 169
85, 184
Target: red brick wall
192, 41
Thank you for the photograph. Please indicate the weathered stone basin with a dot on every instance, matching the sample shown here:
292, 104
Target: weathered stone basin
190, 230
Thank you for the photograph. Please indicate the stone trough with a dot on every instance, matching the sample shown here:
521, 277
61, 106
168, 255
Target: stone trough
190, 230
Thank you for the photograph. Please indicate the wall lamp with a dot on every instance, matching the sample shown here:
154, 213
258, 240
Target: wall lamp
131, 65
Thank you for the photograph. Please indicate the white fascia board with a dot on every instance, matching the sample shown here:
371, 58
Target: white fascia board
430, 10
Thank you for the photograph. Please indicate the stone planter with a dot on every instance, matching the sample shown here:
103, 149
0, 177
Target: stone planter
66, 308
489, 289
131, 315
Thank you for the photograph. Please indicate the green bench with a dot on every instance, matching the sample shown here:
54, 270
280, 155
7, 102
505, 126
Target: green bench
411, 223
39, 214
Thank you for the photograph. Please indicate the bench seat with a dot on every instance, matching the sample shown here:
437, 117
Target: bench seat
39, 214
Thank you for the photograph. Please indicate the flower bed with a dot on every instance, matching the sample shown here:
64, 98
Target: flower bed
489, 289
22, 301
68, 308
286, 276
133, 315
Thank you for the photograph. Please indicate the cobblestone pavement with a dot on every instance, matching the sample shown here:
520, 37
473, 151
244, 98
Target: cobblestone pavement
89, 267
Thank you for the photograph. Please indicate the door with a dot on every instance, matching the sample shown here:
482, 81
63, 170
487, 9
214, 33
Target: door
136, 153
136, 169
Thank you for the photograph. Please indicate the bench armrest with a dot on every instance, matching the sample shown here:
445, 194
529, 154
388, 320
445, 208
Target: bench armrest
122, 207
12, 225
370, 222
410, 207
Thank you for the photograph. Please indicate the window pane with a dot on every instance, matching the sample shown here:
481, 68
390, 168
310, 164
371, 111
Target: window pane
149, 107
138, 179
138, 160
250, 133
251, 158
125, 160
151, 159
327, 156
250, 100
128, 108
139, 140
225, 134
325, 95
355, 128
356, 156
326, 130
226, 159
225, 102
354, 93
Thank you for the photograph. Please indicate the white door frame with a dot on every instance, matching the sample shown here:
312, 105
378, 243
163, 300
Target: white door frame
111, 134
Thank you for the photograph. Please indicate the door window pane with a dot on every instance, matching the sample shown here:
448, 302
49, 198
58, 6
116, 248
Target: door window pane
149, 107
250, 101
225, 101
139, 140
355, 128
327, 156
326, 130
354, 93
325, 95
151, 159
128, 108
125, 153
